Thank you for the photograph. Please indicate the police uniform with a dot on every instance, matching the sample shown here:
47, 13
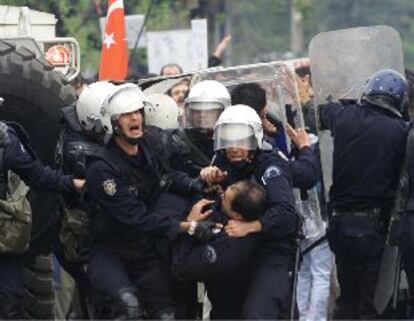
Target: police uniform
122, 256
73, 149
19, 158
268, 293
190, 150
304, 169
368, 152
222, 263
407, 221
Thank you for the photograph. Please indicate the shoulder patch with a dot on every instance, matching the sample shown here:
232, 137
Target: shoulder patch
109, 187
210, 254
271, 172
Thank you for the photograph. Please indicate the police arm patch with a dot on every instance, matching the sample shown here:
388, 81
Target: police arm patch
109, 187
271, 172
210, 254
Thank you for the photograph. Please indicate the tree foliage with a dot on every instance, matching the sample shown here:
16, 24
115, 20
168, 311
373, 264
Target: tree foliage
260, 28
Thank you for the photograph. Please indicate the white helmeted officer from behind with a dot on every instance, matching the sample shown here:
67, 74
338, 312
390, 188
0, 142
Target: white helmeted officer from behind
162, 112
89, 104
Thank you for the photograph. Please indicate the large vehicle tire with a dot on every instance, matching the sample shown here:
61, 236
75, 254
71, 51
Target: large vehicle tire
39, 296
34, 94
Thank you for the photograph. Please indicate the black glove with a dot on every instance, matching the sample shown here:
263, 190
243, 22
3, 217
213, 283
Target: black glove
196, 186
4, 136
204, 231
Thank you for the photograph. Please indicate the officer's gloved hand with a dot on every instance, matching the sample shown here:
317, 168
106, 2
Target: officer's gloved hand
196, 186
204, 231
4, 136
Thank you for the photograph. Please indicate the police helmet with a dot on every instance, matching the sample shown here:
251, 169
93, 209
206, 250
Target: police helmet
387, 89
126, 98
205, 101
90, 102
238, 126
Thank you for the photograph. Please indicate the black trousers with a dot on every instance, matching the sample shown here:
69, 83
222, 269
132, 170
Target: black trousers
11, 285
110, 272
407, 254
270, 288
227, 297
358, 243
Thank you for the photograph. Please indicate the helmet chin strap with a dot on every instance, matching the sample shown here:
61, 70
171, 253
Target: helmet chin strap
120, 133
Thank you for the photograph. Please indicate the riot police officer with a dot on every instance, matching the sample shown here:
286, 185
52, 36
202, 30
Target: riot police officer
368, 151
192, 147
241, 154
407, 221
18, 157
125, 180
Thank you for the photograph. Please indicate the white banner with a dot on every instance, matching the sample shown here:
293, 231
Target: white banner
187, 48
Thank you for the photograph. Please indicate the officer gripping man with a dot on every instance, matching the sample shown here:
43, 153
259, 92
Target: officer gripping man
17, 156
241, 154
223, 263
369, 139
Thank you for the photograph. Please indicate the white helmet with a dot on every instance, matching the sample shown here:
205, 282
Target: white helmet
208, 97
124, 99
90, 102
238, 126
162, 112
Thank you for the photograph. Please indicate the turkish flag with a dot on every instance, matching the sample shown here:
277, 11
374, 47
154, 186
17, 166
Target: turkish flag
114, 55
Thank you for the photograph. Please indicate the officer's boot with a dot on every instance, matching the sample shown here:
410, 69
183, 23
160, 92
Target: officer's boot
12, 311
128, 307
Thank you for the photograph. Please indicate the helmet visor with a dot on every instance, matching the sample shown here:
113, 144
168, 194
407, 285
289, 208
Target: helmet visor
234, 135
203, 117
204, 105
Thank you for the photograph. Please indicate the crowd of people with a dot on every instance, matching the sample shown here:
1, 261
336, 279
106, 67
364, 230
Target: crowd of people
156, 203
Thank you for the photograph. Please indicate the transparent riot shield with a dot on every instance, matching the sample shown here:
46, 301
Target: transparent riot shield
276, 78
283, 104
341, 62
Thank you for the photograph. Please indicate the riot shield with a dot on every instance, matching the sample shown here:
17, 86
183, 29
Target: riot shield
162, 87
341, 62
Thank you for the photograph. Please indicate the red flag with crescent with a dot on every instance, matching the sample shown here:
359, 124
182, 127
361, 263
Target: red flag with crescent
114, 55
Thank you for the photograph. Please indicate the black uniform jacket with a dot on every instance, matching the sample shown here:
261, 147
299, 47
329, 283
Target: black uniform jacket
369, 145
218, 259
280, 221
19, 158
